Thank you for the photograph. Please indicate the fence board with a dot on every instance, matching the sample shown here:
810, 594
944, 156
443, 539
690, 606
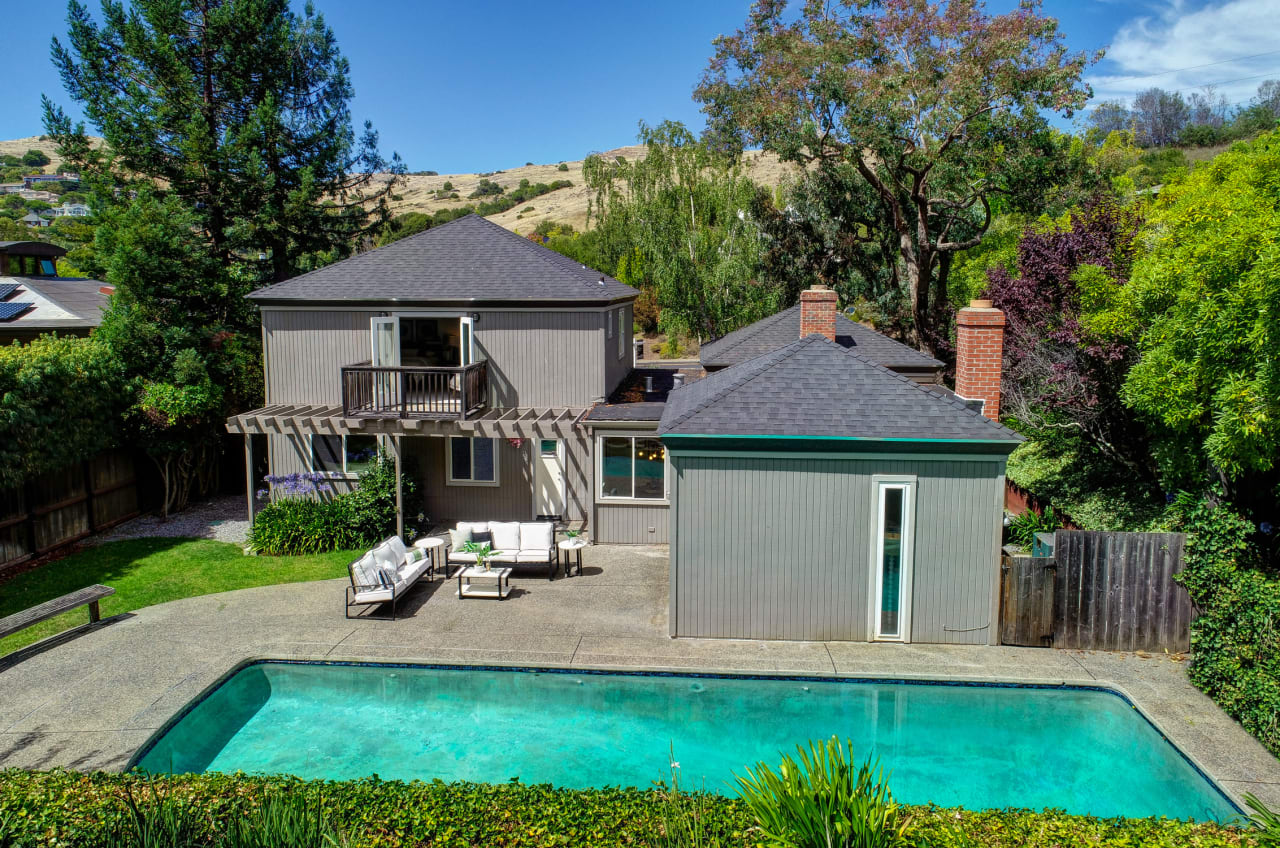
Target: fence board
1026, 596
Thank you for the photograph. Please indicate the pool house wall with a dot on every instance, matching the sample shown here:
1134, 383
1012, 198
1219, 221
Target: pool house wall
780, 545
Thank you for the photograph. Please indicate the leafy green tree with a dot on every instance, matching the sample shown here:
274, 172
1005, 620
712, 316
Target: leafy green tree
35, 158
239, 107
1203, 300
932, 104
687, 210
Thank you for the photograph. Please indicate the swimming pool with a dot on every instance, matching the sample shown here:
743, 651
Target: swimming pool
974, 745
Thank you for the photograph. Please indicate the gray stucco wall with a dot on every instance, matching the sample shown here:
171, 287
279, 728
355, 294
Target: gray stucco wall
778, 547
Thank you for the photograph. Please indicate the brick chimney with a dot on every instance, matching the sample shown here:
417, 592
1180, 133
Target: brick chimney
818, 312
979, 355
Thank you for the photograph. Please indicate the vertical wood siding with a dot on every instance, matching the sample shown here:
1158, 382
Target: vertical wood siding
305, 351
780, 548
543, 358
628, 524
616, 368
511, 500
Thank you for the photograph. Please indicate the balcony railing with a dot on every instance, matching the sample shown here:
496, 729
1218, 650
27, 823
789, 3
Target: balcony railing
370, 391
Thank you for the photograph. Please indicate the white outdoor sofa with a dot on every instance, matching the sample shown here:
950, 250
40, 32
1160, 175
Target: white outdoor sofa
518, 543
385, 574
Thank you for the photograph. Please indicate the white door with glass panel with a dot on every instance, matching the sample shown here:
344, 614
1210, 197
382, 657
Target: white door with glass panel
548, 478
891, 562
385, 336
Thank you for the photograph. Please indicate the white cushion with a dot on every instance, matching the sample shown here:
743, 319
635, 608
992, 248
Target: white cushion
396, 547
537, 534
365, 571
410, 572
473, 526
386, 558
373, 596
459, 537
541, 555
506, 535
455, 556
505, 556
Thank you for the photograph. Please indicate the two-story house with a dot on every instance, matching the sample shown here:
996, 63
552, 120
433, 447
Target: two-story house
471, 353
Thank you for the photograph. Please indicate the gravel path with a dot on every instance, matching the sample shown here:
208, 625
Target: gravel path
224, 519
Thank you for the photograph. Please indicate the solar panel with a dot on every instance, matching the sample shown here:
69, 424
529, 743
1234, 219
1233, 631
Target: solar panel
7, 289
9, 311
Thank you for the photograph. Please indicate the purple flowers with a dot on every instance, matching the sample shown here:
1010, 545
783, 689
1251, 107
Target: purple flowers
295, 485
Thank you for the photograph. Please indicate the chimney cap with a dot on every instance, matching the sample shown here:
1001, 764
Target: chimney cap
979, 304
818, 287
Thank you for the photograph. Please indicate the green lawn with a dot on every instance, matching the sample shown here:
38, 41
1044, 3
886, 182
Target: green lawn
151, 571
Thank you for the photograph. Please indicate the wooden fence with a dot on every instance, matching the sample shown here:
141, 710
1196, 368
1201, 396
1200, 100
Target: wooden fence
1100, 591
64, 506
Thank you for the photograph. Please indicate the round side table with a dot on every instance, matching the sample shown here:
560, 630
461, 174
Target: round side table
434, 546
566, 548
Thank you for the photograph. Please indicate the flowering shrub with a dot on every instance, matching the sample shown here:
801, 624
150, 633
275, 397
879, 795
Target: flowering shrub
304, 516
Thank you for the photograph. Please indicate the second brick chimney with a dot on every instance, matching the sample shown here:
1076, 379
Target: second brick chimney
818, 306
979, 355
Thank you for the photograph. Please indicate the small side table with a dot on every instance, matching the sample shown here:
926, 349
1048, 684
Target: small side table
434, 546
567, 548
498, 591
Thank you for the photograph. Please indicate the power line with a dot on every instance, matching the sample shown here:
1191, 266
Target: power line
1194, 67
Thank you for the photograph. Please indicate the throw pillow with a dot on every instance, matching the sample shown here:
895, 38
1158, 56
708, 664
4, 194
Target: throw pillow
482, 536
387, 580
415, 554
459, 537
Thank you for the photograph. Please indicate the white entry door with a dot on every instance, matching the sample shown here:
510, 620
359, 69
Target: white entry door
548, 478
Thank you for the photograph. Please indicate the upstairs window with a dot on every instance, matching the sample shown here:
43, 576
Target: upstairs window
473, 461
622, 337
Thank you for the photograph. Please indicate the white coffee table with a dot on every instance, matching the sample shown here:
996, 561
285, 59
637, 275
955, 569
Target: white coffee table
567, 547
495, 583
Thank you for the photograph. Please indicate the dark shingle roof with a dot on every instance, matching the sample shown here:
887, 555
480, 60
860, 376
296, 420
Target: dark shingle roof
783, 328
466, 260
57, 302
813, 387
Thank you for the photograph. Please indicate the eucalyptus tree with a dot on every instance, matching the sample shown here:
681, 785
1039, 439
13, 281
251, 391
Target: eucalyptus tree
687, 210
930, 103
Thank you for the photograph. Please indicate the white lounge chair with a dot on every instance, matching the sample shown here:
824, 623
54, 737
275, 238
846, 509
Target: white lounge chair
518, 543
385, 574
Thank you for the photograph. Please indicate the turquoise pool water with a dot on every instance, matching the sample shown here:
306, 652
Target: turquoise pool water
1085, 751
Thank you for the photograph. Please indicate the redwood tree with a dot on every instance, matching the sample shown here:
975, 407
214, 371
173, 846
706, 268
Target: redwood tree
931, 103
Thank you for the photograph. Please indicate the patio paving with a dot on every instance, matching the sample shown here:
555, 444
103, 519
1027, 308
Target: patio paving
90, 699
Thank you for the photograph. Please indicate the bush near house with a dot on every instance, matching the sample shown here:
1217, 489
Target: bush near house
304, 517
68, 808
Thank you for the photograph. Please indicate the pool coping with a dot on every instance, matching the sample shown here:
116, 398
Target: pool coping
1105, 687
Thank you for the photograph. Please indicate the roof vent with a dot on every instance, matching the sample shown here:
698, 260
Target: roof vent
677, 380
601, 281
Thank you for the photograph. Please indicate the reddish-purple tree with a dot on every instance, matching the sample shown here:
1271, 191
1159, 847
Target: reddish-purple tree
1058, 374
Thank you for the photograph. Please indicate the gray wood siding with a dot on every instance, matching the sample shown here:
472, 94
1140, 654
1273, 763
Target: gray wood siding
616, 368
780, 548
511, 500
628, 524
304, 351
543, 358
290, 455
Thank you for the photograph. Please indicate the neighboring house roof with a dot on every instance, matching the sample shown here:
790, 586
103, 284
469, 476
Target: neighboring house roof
782, 328
815, 388
642, 394
53, 303
465, 261
32, 248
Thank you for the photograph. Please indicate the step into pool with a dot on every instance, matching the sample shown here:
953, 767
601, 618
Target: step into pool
955, 744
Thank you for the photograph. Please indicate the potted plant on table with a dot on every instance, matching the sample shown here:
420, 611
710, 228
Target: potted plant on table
482, 551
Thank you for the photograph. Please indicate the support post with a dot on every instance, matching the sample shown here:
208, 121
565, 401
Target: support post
395, 442
248, 475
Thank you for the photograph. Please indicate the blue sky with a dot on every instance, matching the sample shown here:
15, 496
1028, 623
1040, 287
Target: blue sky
479, 85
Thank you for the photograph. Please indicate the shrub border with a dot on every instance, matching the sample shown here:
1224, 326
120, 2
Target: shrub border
182, 713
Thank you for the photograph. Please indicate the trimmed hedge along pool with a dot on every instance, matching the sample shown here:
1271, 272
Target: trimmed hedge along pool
979, 746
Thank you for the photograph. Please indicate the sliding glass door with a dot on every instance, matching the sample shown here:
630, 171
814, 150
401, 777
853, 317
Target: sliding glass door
891, 560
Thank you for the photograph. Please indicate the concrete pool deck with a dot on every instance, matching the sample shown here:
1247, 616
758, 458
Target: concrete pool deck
89, 700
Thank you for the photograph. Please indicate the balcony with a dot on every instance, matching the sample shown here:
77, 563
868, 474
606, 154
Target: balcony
370, 391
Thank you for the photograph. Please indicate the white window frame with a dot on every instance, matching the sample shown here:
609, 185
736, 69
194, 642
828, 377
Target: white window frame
622, 339
344, 474
450, 480
601, 497
608, 324
882, 482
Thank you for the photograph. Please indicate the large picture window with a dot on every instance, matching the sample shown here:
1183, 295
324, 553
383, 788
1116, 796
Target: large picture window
473, 461
344, 455
632, 468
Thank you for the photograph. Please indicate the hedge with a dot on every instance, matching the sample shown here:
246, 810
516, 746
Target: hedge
66, 808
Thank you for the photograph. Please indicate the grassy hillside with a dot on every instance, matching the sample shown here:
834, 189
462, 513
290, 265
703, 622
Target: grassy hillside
19, 146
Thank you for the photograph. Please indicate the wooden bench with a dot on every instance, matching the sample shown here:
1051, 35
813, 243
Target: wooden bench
90, 596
